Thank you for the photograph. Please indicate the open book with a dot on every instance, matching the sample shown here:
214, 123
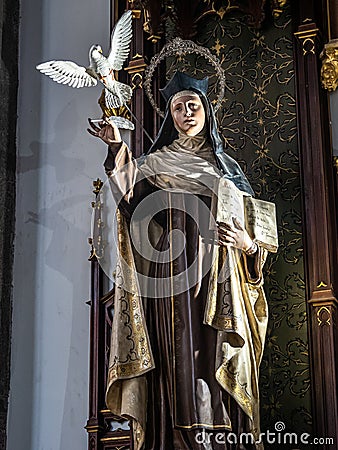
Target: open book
258, 216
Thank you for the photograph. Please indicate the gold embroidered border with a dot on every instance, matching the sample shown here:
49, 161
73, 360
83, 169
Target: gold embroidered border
228, 381
127, 370
135, 312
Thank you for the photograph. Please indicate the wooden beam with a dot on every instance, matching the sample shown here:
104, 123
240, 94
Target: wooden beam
319, 212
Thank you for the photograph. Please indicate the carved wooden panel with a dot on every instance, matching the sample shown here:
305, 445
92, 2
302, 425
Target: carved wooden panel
184, 15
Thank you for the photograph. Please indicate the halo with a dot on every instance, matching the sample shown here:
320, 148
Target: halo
180, 47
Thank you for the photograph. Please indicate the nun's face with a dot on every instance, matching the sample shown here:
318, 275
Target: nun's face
188, 114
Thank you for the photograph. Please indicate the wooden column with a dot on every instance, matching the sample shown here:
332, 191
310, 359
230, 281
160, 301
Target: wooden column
144, 43
96, 357
319, 212
136, 71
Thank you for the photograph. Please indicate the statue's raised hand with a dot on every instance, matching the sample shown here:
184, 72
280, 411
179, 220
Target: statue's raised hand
106, 130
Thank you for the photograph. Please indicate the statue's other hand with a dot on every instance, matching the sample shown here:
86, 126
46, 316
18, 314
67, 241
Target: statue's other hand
105, 130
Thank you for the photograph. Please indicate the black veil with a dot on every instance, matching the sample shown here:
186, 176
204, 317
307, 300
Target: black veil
168, 133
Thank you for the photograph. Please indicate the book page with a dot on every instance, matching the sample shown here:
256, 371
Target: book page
260, 222
258, 216
229, 202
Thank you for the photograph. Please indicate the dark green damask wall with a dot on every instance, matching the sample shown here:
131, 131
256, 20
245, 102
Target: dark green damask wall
258, 122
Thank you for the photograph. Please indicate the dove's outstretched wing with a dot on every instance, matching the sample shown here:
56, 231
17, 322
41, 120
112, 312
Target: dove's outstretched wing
67, 72
120, 41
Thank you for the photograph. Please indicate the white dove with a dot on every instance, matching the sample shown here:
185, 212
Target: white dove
101, 68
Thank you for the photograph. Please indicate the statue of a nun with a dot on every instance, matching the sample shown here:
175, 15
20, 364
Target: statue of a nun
190, 314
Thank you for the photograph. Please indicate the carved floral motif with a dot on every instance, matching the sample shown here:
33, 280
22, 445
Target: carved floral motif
329, 70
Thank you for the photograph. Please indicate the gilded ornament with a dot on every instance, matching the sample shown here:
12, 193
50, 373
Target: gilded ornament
97, 185
307, 35
115, 438
324, 316
329, 70
277, 7
148, 27
136, 65
335, 162
137, 81
93, 428
137, 13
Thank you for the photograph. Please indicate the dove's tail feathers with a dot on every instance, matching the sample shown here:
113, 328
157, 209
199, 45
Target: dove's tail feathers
124, 91
121, 122
122, 94
112, 100
67, 72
